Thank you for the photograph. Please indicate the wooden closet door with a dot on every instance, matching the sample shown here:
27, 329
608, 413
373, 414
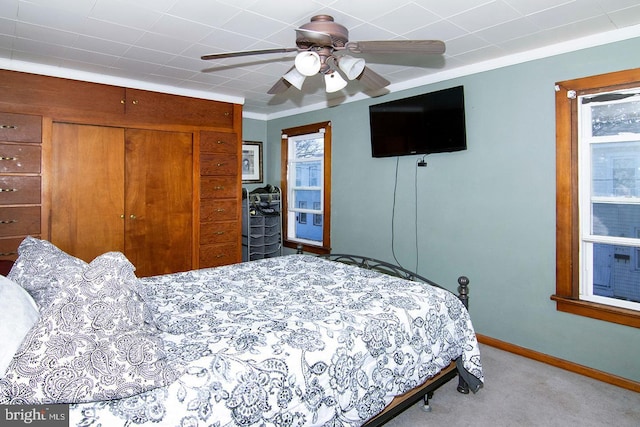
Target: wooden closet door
87, 189
159, 201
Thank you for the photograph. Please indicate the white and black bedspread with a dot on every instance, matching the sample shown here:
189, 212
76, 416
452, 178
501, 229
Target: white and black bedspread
291, 341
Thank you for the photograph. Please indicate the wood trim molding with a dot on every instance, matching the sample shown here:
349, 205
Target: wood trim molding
325, 248
594, 310
568, 241
561, 363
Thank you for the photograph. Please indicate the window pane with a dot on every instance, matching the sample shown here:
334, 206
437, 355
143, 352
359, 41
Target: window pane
615, 169
306, 198
305, 229
306, 148
309, 231
308, 174
614, 273
613, 119
615, 220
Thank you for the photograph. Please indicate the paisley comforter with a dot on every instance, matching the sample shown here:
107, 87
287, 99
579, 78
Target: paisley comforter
290, 341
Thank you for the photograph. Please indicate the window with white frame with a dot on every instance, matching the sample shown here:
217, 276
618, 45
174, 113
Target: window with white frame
306, 156
609, 197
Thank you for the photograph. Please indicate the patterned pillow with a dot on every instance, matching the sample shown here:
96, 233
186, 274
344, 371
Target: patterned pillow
41, 268
18, 314
91, 344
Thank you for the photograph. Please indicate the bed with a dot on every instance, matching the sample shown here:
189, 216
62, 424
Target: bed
296, 340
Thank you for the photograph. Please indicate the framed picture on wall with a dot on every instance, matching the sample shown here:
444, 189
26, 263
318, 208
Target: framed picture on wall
251, 161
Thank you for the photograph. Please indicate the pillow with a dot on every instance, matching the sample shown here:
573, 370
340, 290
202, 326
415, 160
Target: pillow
41, 268
18, 314
91, 343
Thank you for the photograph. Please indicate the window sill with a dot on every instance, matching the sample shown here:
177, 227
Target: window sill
306, 248
594, 310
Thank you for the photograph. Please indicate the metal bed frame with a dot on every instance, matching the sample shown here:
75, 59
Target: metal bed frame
426, 390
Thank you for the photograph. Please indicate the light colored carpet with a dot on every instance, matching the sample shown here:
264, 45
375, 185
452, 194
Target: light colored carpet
523, 392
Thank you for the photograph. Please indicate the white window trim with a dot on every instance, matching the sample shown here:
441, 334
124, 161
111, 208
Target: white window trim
587, 239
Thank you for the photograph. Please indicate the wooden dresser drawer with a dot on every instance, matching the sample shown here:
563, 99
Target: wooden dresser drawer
218, 142
9, 247
20, 158
216, 164
20, 127
219, 232
19, 221
218, 210
16, 190
221, 187
215, 255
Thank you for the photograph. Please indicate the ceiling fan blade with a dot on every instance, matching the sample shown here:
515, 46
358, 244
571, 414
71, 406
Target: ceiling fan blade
397, 46
372, 80
311, 38
281, 85
248, 52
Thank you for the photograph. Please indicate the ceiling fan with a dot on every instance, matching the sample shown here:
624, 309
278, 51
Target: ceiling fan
321, 44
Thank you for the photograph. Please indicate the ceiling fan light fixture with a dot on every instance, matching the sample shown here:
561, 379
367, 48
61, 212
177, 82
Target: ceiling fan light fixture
294, 77
308, 63
350, 66
334, 82
316, 43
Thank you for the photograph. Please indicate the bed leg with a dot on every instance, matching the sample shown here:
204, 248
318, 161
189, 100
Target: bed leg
463, 387
426, 407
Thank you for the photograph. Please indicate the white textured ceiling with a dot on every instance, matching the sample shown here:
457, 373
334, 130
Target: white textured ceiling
157, 44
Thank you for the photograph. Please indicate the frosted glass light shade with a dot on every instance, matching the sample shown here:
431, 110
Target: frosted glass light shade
334, 82
350, 66
308, 63
295, 78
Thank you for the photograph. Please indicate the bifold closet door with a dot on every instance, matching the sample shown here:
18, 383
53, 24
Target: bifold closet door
158, 200
126, 190
87, 189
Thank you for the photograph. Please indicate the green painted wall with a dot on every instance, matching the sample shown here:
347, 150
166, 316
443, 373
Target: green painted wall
488, 212
256, 130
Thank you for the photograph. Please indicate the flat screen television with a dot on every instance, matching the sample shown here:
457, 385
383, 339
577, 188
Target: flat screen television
429, 123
